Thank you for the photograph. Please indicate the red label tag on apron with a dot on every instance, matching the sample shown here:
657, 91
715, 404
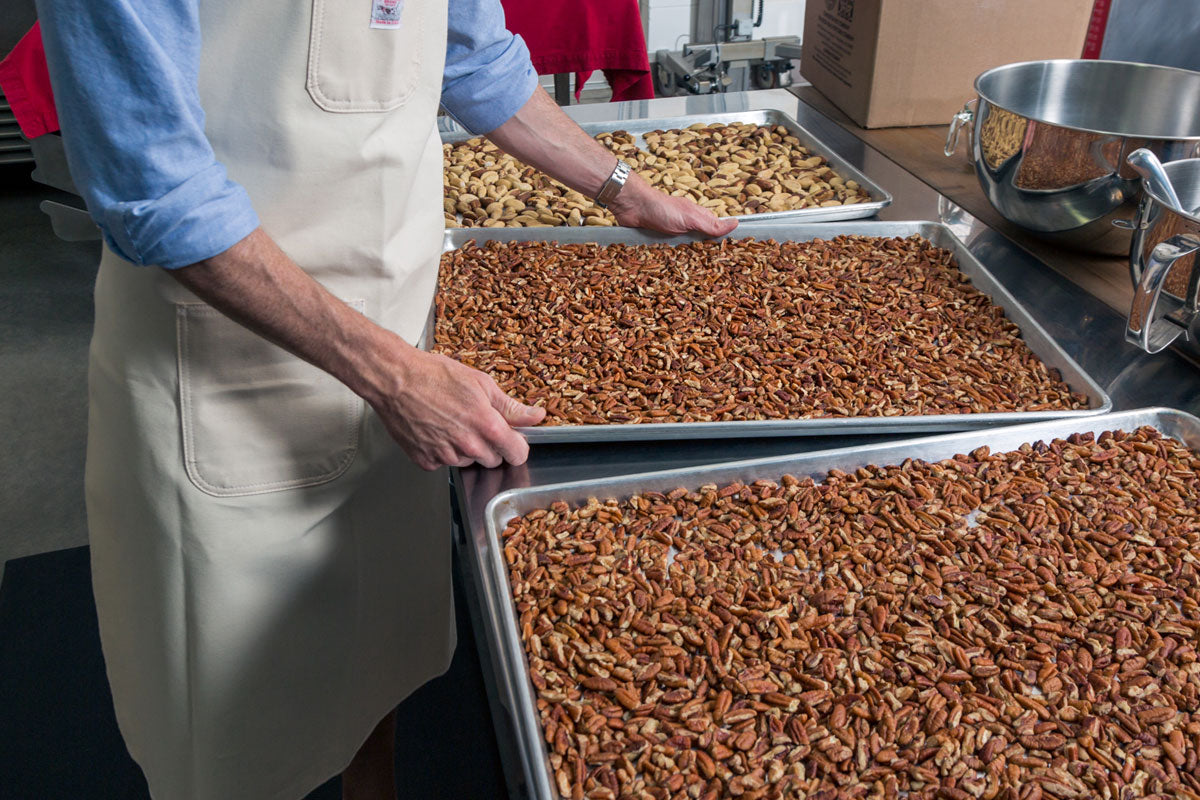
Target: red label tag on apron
386, 13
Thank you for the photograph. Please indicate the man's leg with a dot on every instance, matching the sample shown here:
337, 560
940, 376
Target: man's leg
372, 773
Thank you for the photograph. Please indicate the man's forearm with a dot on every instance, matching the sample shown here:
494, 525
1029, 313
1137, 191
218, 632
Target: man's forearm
541, 135
258, 285
441, 412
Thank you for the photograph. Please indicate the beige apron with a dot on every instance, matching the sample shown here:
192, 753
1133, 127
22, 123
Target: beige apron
272, 574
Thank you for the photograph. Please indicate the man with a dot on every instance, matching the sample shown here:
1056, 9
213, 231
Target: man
271, 572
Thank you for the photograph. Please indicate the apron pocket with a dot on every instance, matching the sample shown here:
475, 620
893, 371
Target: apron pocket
256, 418
353, 67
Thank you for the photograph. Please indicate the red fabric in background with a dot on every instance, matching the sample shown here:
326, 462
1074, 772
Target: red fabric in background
1094, 42
26, 84
582, 36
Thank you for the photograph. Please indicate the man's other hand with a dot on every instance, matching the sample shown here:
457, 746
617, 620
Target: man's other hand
640, 205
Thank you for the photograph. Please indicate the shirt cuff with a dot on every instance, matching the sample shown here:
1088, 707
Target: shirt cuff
488, 97
202, 217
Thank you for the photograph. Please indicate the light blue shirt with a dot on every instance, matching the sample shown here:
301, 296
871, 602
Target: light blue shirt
124, 74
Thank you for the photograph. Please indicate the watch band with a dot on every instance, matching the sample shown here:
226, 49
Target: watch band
612, 187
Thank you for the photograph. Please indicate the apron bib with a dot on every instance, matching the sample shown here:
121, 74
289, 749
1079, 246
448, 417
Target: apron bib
272, 574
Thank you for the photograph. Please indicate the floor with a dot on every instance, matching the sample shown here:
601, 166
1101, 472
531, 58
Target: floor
58, 735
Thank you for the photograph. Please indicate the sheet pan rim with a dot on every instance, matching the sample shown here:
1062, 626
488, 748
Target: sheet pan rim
492, 561
1044, 346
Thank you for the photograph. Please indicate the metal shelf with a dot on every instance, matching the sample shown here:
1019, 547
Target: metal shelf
13, 147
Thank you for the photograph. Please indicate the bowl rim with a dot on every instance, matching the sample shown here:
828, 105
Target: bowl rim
1017, 64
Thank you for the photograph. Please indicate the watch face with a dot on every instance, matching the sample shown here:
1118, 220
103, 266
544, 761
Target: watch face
613, 185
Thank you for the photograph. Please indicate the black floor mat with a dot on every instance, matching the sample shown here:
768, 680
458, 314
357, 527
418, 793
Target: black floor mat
59, 738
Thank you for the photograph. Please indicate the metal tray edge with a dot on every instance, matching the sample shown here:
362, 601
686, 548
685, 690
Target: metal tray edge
880, 197
1038, 339
1170, 421
531, 745
505, 505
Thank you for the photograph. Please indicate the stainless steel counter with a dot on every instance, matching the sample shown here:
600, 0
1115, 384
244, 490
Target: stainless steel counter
1086, 328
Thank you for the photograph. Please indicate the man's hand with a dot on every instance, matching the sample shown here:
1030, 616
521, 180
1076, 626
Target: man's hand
541, 135
640, 205
445, 413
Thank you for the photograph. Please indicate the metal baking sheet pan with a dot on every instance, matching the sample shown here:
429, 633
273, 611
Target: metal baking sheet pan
638, 127
493, 576
1035, 336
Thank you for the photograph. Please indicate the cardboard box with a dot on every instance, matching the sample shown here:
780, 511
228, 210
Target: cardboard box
914, 62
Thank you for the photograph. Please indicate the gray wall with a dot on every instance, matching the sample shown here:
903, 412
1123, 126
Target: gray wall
1154, 31
16, 17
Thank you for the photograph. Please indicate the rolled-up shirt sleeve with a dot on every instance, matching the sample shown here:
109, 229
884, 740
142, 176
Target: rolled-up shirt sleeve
488, 76
124, 74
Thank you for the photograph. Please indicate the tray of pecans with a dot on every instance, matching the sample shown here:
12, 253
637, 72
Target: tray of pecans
776, 330
1011, 613
758, 165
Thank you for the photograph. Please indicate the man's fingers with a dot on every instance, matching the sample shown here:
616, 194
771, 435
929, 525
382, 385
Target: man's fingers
722, 226
508, 444
512, 448
425, 463
515, 413
446, 456
476, 445
475, 450
480, 451
710, 224
498, 433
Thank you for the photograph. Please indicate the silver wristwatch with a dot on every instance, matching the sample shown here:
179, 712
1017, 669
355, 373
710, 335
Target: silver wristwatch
612, 187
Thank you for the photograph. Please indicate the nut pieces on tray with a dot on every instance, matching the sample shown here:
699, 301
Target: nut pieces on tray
737, 329
1005, 626
732, 169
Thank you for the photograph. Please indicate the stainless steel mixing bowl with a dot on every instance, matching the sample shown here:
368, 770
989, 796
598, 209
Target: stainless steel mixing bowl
1049, 140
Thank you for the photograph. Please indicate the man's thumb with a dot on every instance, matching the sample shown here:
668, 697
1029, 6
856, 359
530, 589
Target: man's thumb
719, 226
516, 413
